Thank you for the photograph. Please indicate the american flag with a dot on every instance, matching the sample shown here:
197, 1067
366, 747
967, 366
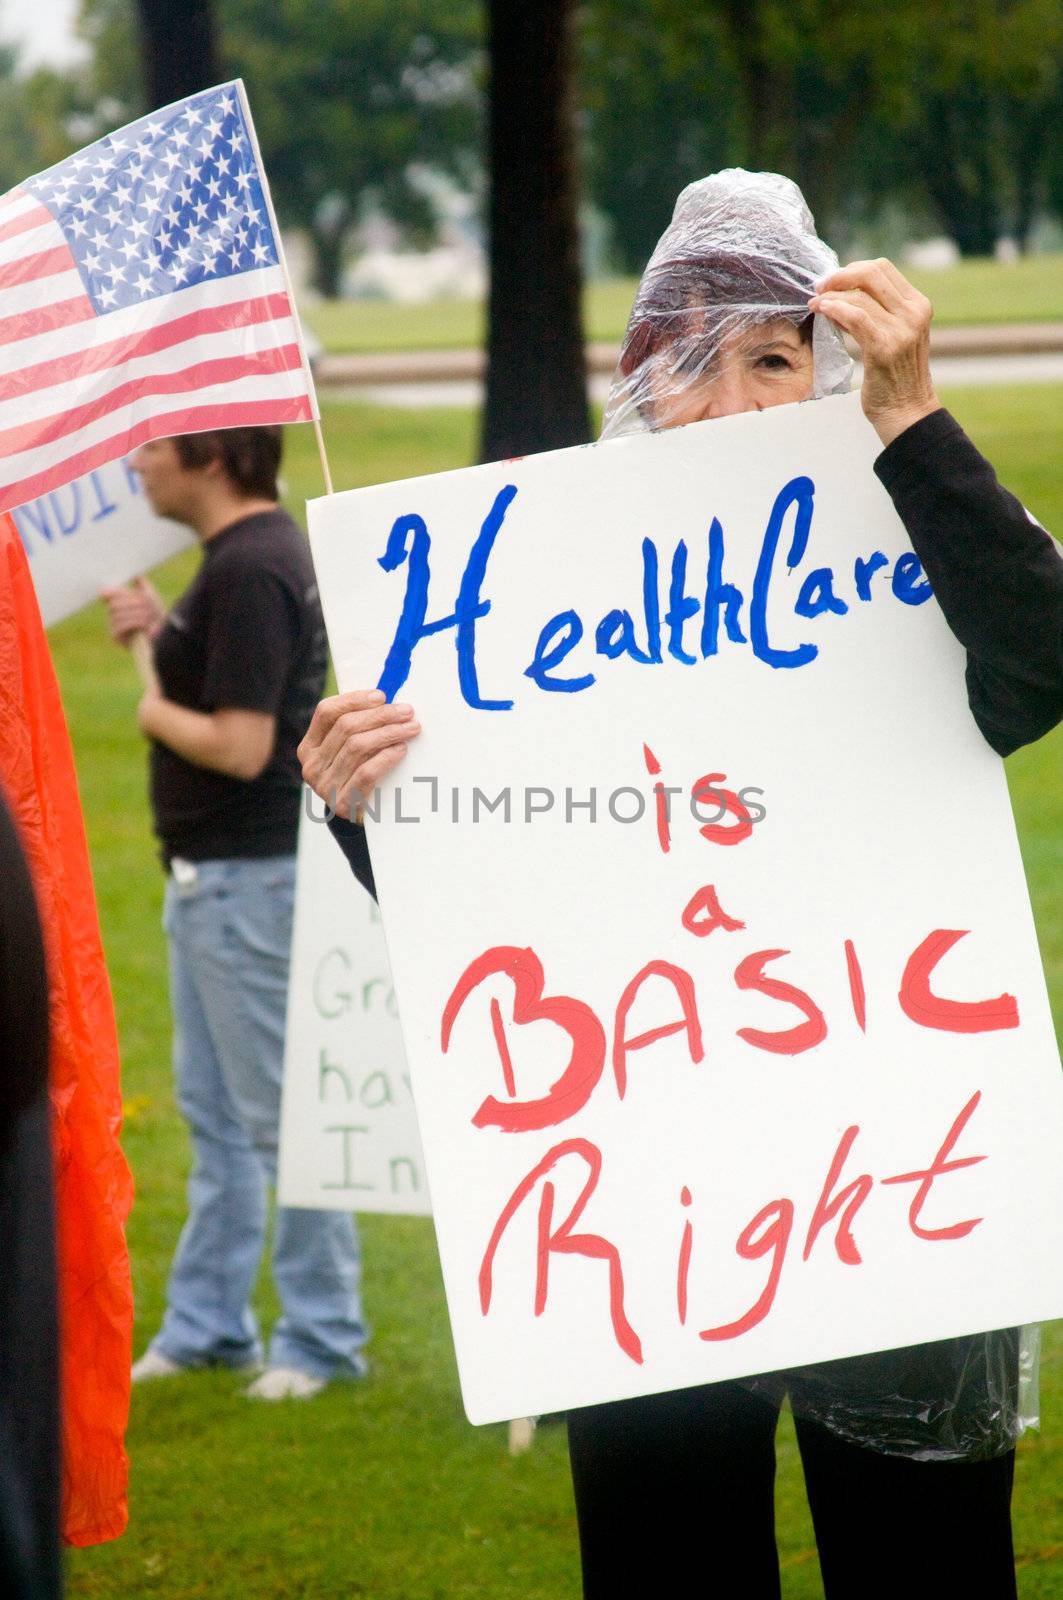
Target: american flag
143, 293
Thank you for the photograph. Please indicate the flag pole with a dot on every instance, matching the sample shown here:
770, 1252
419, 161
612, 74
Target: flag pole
140, 650
325, 473
268, 198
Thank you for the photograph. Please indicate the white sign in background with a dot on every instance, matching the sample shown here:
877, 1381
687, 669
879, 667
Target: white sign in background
729, 1128
94, 532
349, 1139
349, 1135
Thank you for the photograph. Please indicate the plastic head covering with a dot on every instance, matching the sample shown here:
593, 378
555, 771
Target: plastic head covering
741, 249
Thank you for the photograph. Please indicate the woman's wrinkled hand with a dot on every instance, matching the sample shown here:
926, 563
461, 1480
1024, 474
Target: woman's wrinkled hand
352, 743
889, 320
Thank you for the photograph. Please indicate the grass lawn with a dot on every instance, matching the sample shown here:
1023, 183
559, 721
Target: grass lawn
384, 1490
1029, 290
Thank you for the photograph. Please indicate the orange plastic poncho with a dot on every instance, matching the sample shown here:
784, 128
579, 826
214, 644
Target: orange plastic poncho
93, 1184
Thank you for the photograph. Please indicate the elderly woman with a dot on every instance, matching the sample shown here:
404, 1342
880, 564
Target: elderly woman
908, 1454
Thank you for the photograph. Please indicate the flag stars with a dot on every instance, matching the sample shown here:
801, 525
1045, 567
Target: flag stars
168, 204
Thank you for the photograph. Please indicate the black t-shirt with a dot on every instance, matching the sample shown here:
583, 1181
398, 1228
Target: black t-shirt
247, 635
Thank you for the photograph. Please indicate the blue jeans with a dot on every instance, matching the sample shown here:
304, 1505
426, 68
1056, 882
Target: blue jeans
229, 925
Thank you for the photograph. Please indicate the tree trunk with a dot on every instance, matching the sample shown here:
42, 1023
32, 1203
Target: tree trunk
536, 395
767, 89
957, 167
1031, 134
178, 49
328, 248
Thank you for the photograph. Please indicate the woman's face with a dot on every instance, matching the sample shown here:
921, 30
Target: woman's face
766, 365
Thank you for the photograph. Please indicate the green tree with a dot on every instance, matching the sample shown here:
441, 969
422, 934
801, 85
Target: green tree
967, 94
954, 105
348, 96
662, 107
36, 112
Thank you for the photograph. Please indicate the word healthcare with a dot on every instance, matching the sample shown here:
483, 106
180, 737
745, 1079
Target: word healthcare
616, 634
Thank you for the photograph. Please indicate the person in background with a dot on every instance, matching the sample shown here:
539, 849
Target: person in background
240, 661
908, 1454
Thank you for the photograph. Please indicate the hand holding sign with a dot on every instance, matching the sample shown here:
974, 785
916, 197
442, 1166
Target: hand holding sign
890, 321
354, 741
134, 608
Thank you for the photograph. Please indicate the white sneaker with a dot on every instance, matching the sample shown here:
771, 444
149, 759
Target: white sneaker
153, 1364
285, 1383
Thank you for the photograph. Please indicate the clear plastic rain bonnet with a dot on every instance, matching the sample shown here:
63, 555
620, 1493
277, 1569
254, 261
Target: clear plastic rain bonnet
741, 250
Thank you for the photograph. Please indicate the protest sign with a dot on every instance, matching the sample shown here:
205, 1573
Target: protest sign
98, 530
733, 1050
348, 1139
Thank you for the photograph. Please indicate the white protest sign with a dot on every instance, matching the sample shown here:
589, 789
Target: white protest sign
98, 530
348, 1138
751, 1065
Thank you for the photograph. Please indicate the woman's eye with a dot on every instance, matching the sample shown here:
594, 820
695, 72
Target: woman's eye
774, 363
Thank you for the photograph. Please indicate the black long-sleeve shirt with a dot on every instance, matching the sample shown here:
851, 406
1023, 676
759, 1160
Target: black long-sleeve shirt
995, 573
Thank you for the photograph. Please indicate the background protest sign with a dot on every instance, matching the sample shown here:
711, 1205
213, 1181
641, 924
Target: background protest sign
98, 530
348, 1139
734, 1051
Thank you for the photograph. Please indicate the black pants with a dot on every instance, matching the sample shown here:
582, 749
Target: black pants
675, 1497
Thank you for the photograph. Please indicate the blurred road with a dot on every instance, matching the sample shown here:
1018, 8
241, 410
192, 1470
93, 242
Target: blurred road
949, 370
1016, 353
